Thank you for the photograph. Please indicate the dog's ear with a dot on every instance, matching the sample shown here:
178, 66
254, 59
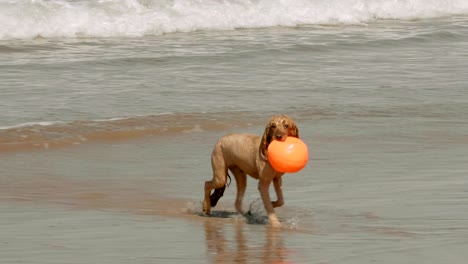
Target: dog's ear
293, 130
266, 139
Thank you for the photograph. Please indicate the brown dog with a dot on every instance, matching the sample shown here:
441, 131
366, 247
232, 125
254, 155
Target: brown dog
244, 154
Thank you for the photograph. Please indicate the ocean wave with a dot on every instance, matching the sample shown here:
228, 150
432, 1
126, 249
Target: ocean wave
58, 134
27, 19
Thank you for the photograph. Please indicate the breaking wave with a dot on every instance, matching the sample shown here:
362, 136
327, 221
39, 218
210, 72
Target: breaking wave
27, 19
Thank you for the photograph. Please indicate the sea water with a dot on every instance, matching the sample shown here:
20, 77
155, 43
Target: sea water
109, 111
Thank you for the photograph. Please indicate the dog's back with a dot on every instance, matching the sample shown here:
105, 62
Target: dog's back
239, 150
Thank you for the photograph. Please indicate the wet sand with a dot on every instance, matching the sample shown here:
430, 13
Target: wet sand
361, 199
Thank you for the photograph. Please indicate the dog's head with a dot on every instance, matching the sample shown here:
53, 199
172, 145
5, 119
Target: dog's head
278, 128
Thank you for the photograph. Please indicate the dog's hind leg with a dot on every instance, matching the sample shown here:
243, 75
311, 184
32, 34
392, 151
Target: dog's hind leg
218, 183
216, 195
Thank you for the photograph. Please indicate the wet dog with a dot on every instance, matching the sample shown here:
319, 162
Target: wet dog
247, 154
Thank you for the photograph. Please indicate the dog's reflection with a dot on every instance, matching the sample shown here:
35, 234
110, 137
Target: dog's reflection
228, 243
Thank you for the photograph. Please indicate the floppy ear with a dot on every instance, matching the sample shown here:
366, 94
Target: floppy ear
293, 130
266, 139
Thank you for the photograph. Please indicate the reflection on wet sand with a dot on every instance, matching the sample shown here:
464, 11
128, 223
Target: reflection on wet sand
231, 244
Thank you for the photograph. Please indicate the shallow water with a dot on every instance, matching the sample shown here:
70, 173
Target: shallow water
105, 144
389, 67
362, 198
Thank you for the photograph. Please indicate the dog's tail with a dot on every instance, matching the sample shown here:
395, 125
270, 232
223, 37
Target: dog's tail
229, 177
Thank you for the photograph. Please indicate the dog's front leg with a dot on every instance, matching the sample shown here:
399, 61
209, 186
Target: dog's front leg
263, 186
277, 183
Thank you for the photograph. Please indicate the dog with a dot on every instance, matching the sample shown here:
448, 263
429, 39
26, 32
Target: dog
247, 154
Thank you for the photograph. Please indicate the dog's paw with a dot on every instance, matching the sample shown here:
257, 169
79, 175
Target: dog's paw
275, 224
274, 221
206, 209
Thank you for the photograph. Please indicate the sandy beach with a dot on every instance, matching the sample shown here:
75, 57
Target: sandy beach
109, 111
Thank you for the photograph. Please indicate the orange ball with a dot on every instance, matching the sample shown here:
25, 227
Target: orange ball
290, 155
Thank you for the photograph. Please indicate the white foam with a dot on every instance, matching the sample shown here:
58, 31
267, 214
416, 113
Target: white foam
23, 19
111, 119
28, 124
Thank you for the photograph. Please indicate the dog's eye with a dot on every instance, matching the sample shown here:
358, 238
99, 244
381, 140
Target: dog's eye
286, 125
273, 125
